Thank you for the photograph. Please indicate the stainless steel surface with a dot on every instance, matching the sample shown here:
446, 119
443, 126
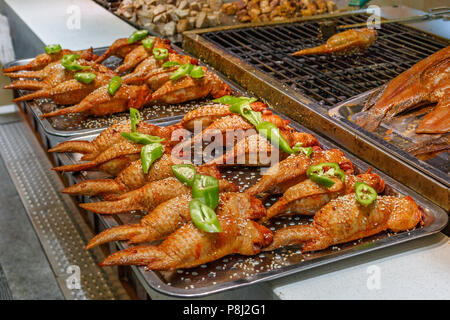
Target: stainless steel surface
237, 271
312, 115
58, 225
437, 167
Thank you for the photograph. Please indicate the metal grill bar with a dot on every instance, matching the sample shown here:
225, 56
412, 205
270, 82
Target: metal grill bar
324, 78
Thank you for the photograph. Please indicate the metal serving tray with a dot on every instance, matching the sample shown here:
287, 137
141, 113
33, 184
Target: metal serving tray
394, 138
311, 114
236, 271
63, 127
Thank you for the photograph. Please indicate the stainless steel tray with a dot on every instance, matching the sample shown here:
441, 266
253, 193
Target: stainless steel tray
74, 125
438, 167
236, 271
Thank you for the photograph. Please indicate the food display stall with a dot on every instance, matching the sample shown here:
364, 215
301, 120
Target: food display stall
225, 150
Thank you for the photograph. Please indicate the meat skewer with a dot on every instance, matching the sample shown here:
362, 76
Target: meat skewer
346, 42
344, 219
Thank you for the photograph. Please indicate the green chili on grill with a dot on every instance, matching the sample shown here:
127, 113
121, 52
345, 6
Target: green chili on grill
53, 48
149, 154
204, 217
160, 53
135, 118
148, 43
141, 138
170, 64
318, 174
197, 72
206, 189
137, 36
365, 194
230, 100
305, 150
85, 77
114, 85
271, 132
69, 62
186, 173
181, 71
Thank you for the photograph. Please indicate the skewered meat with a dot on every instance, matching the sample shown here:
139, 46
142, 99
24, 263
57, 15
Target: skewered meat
428, 81
292, 170
344, 219
171, 215
148, 196
346, 42
100, 102
187, 88
132, 177
188, 246
307, 197
44, 59
109, 137
68, 92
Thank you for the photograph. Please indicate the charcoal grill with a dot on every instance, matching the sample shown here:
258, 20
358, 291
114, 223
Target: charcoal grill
324, 78
305, 88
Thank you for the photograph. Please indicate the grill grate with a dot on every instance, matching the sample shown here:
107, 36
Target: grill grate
324, 78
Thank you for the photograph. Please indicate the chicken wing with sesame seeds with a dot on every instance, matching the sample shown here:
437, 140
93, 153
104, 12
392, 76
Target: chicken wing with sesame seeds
120, 48
344, 219
44, 59
292, 170
148, 196
171, 215
189, 246
307, 197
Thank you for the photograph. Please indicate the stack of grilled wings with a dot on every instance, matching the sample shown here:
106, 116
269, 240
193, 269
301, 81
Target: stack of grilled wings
168, 238
144, 80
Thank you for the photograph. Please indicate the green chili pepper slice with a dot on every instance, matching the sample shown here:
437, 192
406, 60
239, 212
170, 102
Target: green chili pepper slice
148, 43
69, 62
137, 36
230, 100
181, 71
197, 72
149, 154
114, 85
365, 194
206, 189
85, 77
135, 118
204, 217
160, 53
243, 108
305, 150
186, 173
271, 132
141, 138
53, 48
318, 174
170, 64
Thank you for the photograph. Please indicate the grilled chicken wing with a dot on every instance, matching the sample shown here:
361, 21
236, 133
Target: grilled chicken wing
349, 41
292, 170
187, 89
68, 92
148, 196
307, 197
428, 81
171, 215
139, 54
109, 137
120, 48
132, 177
44, 59
344, 219
100, 102
188, 246
206, 115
